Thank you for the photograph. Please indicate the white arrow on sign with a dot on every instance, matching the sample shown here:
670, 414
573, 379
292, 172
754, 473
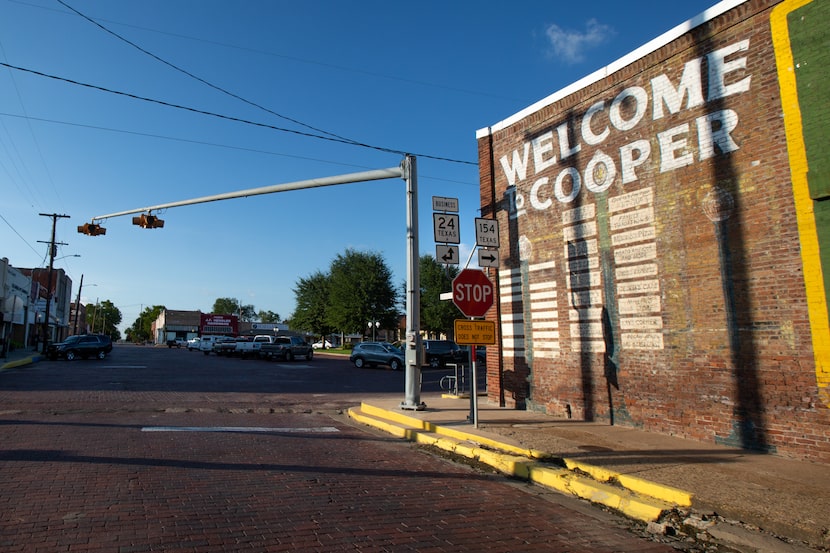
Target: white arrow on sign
488, 258
446, 254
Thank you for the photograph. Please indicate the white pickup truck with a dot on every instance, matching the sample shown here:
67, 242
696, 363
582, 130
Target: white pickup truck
243, 346
206, 343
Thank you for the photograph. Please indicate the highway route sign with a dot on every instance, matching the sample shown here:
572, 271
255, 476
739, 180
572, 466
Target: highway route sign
445, 226
487, 232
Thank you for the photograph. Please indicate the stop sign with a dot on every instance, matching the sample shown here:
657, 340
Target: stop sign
472, 292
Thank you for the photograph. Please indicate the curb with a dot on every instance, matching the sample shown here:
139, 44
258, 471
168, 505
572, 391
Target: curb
21, 362
636, 498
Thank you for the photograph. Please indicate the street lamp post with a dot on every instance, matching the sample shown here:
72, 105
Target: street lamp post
373, 325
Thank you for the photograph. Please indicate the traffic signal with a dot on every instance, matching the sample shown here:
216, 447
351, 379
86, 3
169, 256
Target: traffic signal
148, 221
91, 229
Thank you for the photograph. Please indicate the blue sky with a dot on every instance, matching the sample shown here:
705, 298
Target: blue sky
416, 77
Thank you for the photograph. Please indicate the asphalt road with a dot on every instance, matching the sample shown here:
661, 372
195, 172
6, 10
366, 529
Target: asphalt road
168, 450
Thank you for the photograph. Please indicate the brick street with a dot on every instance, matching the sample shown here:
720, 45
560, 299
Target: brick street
99, 471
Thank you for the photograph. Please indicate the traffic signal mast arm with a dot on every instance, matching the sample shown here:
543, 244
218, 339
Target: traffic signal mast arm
94, 227
378, 174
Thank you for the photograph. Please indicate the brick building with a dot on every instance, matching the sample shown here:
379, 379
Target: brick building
665, 233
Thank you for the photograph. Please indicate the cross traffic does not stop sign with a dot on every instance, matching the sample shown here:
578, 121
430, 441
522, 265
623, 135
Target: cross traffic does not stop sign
472, 292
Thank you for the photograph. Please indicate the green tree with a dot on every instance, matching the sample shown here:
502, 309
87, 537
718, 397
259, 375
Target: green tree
360, 291
437, 315
269, 317
103, 318
312, 298
232, 306
141, 329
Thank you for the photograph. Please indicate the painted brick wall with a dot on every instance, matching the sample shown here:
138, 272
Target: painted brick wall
652, 271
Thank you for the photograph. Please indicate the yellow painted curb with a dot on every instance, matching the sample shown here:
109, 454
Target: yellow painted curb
452, 433
18, 363
637, 498
633, 483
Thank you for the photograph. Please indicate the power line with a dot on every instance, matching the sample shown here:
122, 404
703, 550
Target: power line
201, 80
31, 132
214, 144
14, 230
306, 61
232, 118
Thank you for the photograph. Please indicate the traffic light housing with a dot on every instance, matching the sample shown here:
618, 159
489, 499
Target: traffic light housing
91, 229
148, 221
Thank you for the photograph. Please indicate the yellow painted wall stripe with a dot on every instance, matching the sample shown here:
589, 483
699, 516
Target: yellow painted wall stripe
808, 235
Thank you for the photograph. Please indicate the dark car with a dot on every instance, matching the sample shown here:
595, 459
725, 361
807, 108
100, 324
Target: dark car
82, 345
377, 353
438, 353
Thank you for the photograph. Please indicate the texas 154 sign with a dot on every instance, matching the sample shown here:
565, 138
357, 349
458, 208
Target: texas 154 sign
472, 292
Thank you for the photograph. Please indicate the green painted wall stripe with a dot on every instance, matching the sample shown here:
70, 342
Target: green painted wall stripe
812, 233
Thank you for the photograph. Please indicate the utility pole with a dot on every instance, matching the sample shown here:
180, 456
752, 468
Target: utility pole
78, 305
52, 251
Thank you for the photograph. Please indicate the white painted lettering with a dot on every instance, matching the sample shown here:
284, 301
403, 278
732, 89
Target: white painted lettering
628, 162
543, 146
640, 98
673, 152
565, 150
719, 68
708, 137
587, 133
519, 168
534, 195
559, 188
663, 93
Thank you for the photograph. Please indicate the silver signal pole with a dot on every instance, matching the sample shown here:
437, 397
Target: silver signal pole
412, 399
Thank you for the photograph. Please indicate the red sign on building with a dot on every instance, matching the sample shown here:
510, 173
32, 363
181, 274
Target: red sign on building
213, 323
472, 292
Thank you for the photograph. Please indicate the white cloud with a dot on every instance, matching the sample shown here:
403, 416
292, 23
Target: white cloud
569, 46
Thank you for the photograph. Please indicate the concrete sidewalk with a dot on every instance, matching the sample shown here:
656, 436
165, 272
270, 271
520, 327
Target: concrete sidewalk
744, 499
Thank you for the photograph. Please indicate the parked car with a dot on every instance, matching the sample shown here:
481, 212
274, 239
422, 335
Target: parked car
321, 345
377, 353
177, 343
437, 353
287, 348
81, 345
193, 343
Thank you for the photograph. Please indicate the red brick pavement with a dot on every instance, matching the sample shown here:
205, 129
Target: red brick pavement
89, 480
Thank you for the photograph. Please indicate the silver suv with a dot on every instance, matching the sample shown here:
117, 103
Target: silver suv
377, 353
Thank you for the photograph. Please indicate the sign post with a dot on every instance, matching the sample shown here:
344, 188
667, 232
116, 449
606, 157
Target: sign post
472, 293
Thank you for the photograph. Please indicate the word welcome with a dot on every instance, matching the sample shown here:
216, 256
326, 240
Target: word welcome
555, 178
